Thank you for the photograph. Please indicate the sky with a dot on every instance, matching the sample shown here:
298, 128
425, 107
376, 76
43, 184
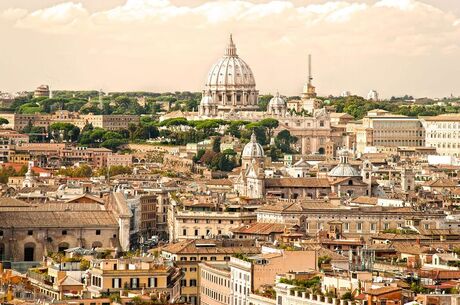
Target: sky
396, 47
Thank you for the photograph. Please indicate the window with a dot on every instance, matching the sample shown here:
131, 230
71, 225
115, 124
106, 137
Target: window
134, 282
192, 283
213, 258
192, 269
193, 258
30, 232
184, 232
1, 233
116, 283
98, 232
359, 227
373, 227
64, 232
196, 232
153, 282
386, 226
183, 283
346, 227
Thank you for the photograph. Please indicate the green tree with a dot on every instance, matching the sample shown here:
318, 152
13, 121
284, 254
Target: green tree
3, 121
263, 101
113, 144
69, 131
284, 140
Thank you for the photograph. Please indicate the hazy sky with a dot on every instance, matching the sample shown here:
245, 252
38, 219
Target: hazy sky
393, 46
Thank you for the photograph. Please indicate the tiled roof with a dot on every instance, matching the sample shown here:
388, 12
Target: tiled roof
260, 228
190, 247
365, 200
49, 219
297, 182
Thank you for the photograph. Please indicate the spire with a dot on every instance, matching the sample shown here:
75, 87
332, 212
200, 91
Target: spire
253, 137
310, 77
231, 48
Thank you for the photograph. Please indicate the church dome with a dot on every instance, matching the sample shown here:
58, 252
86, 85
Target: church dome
253, 149
277, 101
344, 169
230, 71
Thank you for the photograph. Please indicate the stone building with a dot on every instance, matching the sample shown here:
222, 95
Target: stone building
42, 91
251, 181
313, 216
18, 121
207, 220
188, 254
150, 275
380, 128
443, 133
30, 231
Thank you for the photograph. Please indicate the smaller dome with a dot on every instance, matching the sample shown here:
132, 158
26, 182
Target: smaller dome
344, 169
277, 101
253, 149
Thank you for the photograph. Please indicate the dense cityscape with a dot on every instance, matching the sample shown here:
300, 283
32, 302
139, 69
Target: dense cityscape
229, 196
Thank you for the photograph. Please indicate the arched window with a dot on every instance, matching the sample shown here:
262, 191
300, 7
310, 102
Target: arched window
62, 247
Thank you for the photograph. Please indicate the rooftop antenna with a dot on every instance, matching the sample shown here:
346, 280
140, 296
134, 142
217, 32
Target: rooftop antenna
310, 78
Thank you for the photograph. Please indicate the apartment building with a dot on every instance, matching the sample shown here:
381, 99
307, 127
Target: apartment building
148, 274
215, 286
313, 216
188, 254
443, 133
207, 219
57, 281
381, 128
246, 274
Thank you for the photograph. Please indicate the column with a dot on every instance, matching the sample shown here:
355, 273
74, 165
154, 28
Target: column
304, 145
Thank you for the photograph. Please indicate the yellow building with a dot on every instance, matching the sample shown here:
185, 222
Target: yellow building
188, 254
148, 274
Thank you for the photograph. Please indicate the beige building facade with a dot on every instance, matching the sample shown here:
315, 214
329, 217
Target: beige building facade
380, 128
443, 133
19, 121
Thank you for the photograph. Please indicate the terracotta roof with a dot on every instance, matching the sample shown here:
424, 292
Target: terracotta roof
260, 228
190, 247
12, 202
365, 200
88, 196
49, 219
441, 182
298, 182
226, 182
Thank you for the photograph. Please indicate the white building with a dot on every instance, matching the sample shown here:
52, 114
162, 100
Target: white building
443, 133
373, 95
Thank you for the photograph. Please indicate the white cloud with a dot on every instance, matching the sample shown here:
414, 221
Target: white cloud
57, 17
13, 13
